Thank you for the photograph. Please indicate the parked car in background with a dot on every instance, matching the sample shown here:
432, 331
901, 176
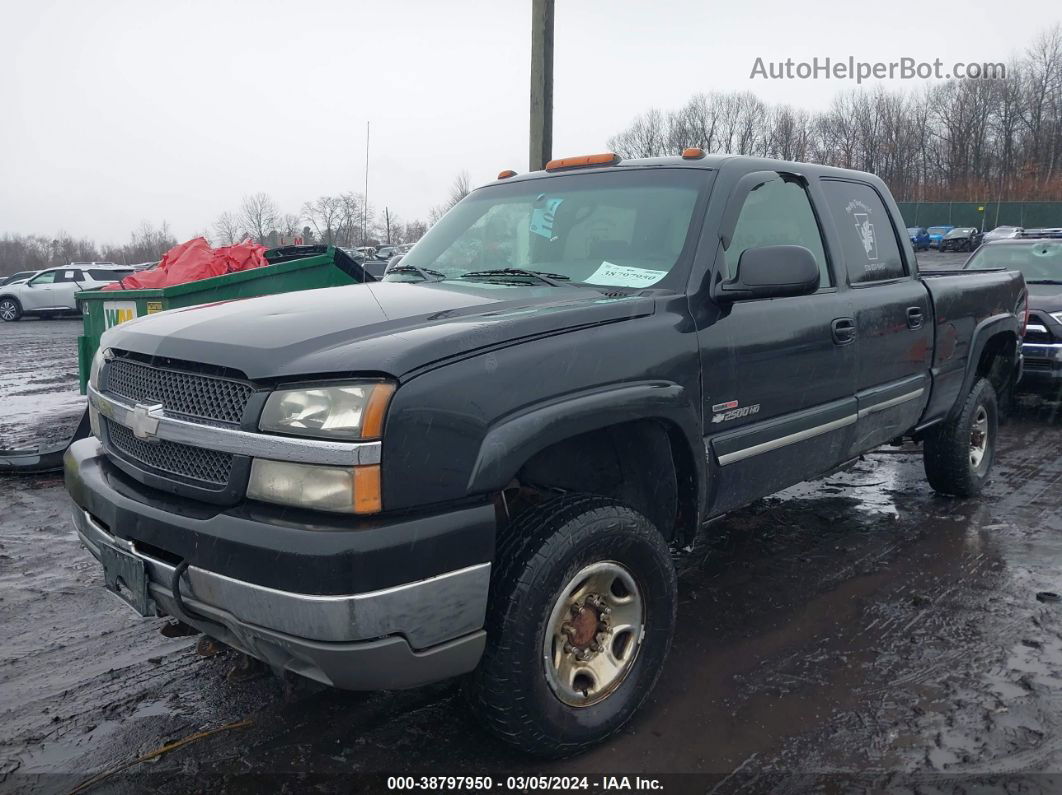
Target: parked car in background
386, 252
919, 237
1002, 233
1040, 262
936, 234
1047, 231
21, 276
51, 292
963, 238
480, 464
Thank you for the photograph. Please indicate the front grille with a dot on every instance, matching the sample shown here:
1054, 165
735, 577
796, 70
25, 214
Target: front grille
192, 463
1038, 365
1037, 319
193, 395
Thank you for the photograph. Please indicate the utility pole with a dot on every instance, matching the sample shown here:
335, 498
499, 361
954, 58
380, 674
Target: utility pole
365, 196
541, 137
387, 221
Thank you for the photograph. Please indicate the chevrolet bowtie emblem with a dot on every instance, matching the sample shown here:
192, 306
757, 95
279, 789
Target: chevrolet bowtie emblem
144, 421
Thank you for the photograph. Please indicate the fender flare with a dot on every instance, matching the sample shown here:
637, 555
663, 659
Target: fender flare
516, 438
984, 331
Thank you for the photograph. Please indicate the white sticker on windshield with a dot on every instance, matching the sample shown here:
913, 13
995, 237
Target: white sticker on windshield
624, 276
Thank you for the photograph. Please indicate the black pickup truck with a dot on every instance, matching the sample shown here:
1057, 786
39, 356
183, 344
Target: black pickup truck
483, 464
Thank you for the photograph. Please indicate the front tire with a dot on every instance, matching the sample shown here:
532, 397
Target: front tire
958, 454
10, 310
580, 620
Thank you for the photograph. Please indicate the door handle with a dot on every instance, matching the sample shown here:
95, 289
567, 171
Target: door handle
914, 317
843, 330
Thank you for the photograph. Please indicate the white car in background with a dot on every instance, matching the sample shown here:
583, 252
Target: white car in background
1002, 233
51, 292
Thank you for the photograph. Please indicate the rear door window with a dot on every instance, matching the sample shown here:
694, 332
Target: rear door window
868, 238
68, 276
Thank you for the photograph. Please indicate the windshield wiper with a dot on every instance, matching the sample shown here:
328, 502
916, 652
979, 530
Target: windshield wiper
543, 276
425, 273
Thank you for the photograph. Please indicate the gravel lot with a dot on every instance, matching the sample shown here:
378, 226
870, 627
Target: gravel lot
857, 629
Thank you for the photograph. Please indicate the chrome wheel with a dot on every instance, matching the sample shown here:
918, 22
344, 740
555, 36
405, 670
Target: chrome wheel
594, 633
8, 310
979, 438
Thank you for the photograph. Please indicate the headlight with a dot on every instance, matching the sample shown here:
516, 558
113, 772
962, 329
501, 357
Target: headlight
343, 411
321, 488
1057, 316
102, 355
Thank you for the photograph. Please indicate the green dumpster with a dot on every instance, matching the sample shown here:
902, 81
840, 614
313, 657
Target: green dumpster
290, 268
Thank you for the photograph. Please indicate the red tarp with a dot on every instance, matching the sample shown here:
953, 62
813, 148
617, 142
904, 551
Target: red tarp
195, 260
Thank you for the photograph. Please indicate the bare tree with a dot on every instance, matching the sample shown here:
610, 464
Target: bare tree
459, 188
968, 139
227, 229
258, 216
325, 215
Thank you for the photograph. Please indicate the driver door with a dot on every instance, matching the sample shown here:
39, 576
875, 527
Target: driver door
778, 374
40, 292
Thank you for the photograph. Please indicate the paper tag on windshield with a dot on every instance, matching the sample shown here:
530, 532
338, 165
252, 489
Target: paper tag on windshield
624, 276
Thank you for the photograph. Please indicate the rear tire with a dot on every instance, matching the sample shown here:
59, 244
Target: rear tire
579, 623
958, 454
10, 310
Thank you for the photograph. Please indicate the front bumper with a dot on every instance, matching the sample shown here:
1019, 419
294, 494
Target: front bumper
1043, 365
399, 636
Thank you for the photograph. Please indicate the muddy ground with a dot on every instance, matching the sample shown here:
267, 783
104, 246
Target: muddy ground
856, 630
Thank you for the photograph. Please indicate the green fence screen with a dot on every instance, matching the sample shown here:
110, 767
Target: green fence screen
1026, 214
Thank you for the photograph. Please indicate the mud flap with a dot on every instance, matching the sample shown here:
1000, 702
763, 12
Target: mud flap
41, 459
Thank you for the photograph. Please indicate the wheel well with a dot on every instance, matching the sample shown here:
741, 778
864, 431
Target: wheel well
645, 464
997, 361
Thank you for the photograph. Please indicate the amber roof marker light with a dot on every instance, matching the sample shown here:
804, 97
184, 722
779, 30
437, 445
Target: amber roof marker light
582, 161
506, 174
692, 153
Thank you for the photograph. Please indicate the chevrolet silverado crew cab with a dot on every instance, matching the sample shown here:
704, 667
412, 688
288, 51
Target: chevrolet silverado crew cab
481, 465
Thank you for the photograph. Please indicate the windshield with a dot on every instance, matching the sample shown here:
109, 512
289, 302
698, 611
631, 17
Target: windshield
617, 229
938, 230
1040, 261
960, 232
913, 230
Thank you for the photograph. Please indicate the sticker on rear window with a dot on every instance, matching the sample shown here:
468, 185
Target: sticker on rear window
613, 275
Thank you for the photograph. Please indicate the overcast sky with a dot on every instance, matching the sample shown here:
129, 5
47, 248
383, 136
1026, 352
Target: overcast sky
118, 111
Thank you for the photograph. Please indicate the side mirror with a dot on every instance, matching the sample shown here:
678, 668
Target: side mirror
771, 272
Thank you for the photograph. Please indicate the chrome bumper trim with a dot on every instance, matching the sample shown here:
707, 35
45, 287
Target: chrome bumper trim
232, 440
426, 613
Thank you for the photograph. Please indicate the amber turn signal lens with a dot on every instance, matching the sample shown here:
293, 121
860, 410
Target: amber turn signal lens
692, 153
506, 174
605, 158
375, 409
367, 497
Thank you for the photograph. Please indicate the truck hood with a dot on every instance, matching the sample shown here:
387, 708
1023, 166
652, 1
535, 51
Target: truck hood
383, 327
1045, 297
